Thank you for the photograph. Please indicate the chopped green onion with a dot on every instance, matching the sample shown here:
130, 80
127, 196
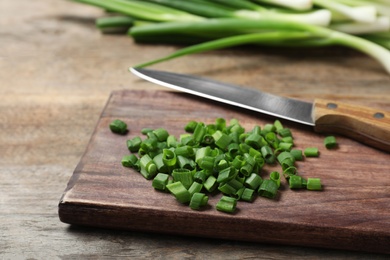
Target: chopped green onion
158, 160
160, 181
190, 127
235, 127
272, 139
222, 140
314, 184
118, 126
149, 145
296, 182
231, 165
234, 148
289, 171
245, 148
268, 128
283, 156
227, 189
208, 139
227, 174
185, 150
130, 161
179, 191
253, 181
195, 187
220, 123
246, 169
201, 153
134, 144
161, 134
222, 164
146, 130
288, 139
256, 130
238, 193
211, 129
210, 184
147, 166
169, 158
259, 162
285, 146
187, 139
254, 140
185, 163
199, 132
268, 154
311, 152
236, 183
198, 200
297, 154
207, 163
184, 176
238, 162
284, 132
275, 176
227, 204
330, 142
278, 125
200, 176
248, 194
268, 189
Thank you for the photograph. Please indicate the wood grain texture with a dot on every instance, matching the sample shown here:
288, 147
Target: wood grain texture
364, 124
351, 213
56, 74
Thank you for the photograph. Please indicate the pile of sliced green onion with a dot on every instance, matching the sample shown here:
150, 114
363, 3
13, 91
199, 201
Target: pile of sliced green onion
214, 24
219, 157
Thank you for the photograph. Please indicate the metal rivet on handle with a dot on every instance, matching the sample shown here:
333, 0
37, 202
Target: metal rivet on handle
379, 115
331, 105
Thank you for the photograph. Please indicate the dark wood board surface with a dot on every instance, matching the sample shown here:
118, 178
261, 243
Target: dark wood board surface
352, 212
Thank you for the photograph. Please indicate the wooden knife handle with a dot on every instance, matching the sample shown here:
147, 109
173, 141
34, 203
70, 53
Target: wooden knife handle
366, 125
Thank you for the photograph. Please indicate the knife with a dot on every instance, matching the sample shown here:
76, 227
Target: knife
366, 125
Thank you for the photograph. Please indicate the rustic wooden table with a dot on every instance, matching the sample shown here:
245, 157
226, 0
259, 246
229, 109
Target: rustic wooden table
56, 74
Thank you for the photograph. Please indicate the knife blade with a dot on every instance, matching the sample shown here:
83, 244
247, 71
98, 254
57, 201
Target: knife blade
366, 125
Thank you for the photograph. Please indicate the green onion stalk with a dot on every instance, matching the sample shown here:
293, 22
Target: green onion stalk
282, 32
214, 24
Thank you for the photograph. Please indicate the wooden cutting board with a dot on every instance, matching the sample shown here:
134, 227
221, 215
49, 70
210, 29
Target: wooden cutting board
352, 212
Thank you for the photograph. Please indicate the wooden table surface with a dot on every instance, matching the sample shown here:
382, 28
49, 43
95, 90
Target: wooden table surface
56, 74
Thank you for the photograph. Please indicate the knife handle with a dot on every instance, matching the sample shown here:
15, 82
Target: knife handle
366, 125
